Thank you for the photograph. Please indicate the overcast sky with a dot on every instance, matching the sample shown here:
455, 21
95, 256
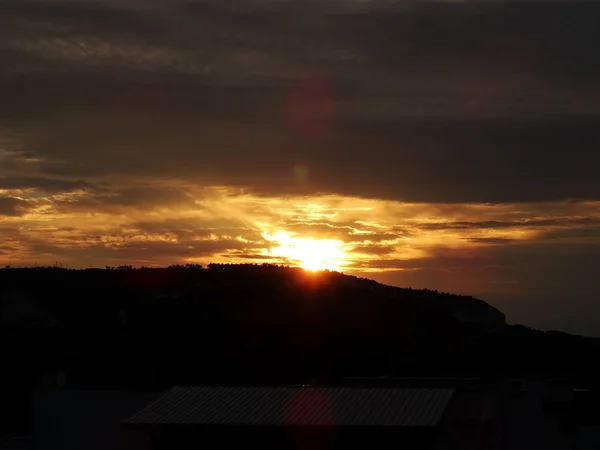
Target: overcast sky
447, 145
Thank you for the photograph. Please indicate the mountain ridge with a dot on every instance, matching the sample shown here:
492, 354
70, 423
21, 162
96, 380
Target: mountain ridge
262, 323
150, 329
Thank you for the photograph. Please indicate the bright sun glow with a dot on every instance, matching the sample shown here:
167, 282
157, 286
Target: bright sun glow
310, 254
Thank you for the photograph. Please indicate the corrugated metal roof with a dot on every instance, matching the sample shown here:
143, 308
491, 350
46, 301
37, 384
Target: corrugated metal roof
300, 406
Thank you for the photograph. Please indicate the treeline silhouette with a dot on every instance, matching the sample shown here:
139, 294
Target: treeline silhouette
150, 328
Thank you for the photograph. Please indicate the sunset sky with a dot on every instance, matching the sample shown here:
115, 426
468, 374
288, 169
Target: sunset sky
449, 145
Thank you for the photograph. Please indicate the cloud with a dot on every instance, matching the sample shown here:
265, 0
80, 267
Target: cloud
159, 252
374, 249
579, 234
12, 206
50, 185
398, 165
324, 230
490, 240
494, 224
125, 198
197, 92
374, 234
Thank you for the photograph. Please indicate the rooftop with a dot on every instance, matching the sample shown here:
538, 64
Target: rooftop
299, 406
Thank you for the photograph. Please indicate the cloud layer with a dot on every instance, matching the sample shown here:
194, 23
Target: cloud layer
489, 102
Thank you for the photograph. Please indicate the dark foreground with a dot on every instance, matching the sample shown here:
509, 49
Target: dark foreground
150, 329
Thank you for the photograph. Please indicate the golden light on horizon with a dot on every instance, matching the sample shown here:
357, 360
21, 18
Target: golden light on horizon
309, 254
224, 224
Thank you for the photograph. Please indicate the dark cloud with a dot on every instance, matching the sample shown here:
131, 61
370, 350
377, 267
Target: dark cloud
496, 224
460, 162
246, 255
577, 234
135, 197
197, 91
490, 240
71, 17
50, 185
12, 206
390, 264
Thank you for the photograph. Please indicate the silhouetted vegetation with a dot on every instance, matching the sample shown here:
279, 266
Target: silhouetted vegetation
150, 328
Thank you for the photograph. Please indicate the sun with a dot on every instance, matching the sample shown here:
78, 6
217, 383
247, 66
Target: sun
310, 254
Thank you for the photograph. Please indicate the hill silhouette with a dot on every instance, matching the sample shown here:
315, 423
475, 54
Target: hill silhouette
149, 328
